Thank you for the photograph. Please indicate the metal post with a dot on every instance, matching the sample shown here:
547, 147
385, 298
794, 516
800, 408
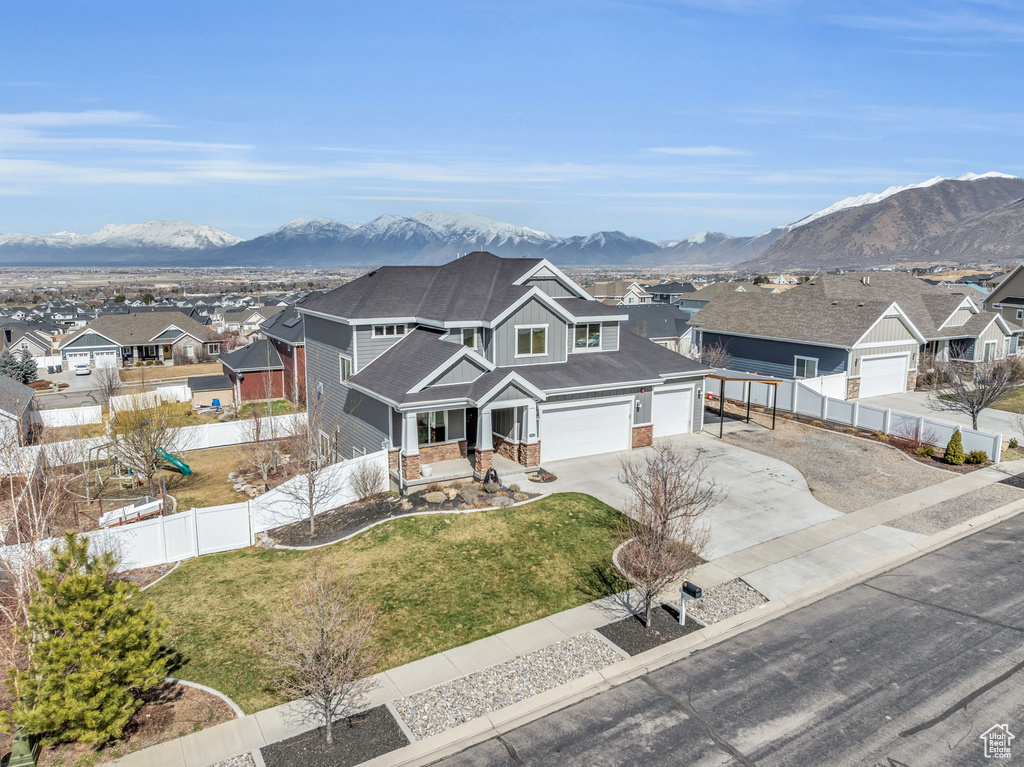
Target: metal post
775, 403
721, 410
682, 603
748, 401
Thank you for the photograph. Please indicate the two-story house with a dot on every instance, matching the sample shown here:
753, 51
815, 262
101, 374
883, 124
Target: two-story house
486, 361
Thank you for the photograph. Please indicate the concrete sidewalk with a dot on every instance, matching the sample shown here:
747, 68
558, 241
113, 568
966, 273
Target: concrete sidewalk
916, 403
807, 557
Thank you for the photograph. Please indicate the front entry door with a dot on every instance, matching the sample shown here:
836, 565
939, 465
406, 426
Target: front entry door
471, 416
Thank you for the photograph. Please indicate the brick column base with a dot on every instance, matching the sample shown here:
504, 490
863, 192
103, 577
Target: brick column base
529, 455
852, 388
482, 461
410, 467
393, 460
643, 436
911, 380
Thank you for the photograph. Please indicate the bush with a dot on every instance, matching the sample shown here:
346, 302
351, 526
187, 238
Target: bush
954, 455
1014, 444
881, 436
976, 456
435, 497
787, 416
469, 494
925, 451
491, 487
503, 501
850, 430
520, 497
516, 488
817, 423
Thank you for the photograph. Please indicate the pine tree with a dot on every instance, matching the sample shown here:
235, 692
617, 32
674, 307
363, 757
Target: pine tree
27, 367
92, 650
955, 449
9, 365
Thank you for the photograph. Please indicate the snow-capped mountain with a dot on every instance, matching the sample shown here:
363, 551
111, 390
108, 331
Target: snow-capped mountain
151, 235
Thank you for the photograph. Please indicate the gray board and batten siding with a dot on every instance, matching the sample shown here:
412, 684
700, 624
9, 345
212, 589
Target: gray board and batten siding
531, 313
775, 358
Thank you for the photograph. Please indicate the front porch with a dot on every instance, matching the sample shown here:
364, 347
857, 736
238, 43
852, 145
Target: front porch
461, 468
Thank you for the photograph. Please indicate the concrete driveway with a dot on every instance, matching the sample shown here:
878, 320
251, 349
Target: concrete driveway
916, 403
764, 498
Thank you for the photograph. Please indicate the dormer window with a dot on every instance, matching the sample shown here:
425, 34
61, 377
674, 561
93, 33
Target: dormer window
388, 330
588, 336
469, 337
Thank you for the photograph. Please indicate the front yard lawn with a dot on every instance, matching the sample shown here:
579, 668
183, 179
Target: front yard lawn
157, 372
439, 582
1013, 403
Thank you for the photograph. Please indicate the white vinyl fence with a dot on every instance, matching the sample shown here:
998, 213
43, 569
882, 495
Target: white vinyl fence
69, 416
213, 529
795, 397
149, 399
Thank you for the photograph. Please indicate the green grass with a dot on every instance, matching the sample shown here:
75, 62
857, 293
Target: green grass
438, 581
278, 407
1013, 403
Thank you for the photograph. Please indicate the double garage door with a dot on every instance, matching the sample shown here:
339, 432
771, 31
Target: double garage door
883, 375
97, 359
577, 429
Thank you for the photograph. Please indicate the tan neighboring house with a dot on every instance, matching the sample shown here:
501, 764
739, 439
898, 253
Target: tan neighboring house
1007, 298
249, 320
113, 340
620, 292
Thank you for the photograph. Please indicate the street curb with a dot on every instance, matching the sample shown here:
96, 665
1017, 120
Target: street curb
492, 725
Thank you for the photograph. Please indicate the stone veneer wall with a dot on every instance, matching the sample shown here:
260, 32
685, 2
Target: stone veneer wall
643, 436
852, 388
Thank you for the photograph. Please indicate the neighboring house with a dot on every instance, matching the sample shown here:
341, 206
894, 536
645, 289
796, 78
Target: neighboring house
618, 292
35, 338
670, 292
872, 344
284, 331
785, 279
666, 326
483, 356
16, 406
247, 321
953, 324
1007, 297
211, 391
117, 339
255, 371
698, 300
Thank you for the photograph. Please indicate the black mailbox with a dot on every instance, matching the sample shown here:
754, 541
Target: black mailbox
692, 590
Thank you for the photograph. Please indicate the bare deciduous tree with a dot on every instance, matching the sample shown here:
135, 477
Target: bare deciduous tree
262, 433
140, 435
715, 355
665, 536
322, 647
970, 387
108, 383
310, 443
368, 479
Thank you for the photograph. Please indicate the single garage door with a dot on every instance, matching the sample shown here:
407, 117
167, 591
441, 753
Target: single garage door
106, 359
883, 375
587, 428
673, 412
75, 358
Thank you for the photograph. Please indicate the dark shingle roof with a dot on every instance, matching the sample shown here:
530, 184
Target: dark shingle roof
671, 288
209, 383
475, 287
656, 321
285, 326
405, 364
15, 397
259, 355
132, 329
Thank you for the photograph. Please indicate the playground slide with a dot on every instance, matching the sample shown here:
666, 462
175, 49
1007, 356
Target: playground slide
174, 461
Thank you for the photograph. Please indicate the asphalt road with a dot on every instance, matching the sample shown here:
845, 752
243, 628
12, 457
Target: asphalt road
909, 668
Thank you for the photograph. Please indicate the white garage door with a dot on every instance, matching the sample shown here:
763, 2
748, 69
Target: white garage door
106, 359
76, 357
883, 375
673, 412
587, 428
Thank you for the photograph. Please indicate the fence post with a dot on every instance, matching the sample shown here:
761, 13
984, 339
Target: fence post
195, 529
792, 408
855, 414
886, 420
824, 406
248, 516
997, 453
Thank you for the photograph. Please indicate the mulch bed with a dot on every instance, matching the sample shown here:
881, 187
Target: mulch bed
541, 476
1017, 480
170, 711
335, 525
632, 636
364, 736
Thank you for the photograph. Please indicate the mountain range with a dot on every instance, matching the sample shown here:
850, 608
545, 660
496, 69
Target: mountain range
968, 218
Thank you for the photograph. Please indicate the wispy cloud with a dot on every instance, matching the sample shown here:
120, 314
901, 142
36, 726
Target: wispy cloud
698, 151
948, 22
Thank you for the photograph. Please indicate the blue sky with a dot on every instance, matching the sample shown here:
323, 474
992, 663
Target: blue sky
656, 117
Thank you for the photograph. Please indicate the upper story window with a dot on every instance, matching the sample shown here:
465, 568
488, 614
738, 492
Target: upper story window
469, 337
344, 368
531, 340
388, 330
805, 367
588, 336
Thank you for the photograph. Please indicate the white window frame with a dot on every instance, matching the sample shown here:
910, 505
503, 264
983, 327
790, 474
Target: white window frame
432, 424
475, 334
190, 351
343, 362
544, 353
995, 351
587, 347
797, 358
213, 348
1020, 314
396, 330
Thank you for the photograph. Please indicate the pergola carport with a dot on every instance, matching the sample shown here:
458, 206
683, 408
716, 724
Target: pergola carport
730, 376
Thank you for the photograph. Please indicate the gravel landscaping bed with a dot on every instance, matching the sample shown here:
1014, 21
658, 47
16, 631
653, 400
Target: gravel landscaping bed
245, 760
364, 736
453, 703
634, 638
724, 601
843, 472
956, 510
